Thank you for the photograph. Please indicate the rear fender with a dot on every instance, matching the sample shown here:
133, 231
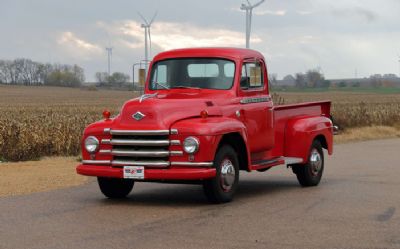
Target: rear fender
210, 131
301, 132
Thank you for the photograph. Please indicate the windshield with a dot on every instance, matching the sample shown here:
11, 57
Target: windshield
201, 73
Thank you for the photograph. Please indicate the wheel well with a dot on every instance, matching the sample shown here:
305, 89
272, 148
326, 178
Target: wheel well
322, 140
236, 141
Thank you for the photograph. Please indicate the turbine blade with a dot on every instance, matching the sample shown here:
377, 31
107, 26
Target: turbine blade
257, 4
154, 17
144, 19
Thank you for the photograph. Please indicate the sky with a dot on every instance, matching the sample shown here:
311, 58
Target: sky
342, 38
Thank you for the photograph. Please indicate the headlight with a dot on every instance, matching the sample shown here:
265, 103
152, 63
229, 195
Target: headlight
91, 144
191, 145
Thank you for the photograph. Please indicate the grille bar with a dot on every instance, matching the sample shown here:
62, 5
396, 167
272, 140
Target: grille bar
135, 142
136, 132
156, 164
140, 147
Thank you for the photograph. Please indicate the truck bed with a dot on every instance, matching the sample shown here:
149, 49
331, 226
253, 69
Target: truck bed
285, 113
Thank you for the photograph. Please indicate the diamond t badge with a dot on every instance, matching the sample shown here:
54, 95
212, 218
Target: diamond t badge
138, 116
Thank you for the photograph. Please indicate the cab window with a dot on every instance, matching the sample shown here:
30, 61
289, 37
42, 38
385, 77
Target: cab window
252, 76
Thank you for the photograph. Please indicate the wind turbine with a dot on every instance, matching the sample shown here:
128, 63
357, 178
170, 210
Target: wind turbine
109, 52
249, 11
147, 37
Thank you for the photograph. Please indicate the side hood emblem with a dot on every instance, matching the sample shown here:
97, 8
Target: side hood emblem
138, 116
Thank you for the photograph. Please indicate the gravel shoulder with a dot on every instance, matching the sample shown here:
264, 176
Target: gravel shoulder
39, 176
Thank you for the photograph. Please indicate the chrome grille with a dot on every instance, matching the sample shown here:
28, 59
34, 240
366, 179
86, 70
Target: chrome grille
140, 147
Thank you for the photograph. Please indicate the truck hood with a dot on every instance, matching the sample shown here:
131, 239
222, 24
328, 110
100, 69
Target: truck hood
162, 110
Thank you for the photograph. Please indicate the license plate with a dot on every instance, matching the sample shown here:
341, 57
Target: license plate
133, 172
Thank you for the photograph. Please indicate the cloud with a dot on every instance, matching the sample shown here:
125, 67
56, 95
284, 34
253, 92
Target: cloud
171, 35
76, 45
258, 12
270, 12
359, 12
304, 12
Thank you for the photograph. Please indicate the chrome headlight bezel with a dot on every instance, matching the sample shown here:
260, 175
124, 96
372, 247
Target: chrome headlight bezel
92, 144
191, 145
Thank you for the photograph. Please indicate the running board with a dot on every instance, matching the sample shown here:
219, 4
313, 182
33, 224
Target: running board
265, 164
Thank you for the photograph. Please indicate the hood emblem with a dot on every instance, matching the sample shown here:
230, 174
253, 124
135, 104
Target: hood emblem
138, 116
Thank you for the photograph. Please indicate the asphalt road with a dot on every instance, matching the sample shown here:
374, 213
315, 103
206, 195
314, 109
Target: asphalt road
357, 205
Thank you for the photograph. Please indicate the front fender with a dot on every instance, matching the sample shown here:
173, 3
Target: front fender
301, 132
209, 131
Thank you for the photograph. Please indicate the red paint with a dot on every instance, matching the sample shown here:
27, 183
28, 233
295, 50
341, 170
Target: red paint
149, 174
268, 131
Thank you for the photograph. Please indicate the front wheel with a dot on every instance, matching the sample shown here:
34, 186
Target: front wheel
115, 188
310, 173
222, 188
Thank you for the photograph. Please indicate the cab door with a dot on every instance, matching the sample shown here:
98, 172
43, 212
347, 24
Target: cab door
256, 106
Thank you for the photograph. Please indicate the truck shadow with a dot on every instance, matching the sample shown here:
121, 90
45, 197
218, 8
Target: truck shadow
192, 195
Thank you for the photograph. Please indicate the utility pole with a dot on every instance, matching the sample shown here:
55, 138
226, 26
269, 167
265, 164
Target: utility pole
249, 12
109, 52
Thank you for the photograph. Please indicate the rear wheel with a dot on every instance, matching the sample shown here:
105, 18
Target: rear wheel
222, 188
310, 174
115, 188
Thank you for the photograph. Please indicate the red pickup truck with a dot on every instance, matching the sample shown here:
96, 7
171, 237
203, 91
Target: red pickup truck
206, 115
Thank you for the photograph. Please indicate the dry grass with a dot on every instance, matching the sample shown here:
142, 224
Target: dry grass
351, 109
367, 133
49, 121
38, 176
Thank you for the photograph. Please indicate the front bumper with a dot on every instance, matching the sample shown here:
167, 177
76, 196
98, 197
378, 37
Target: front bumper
180, 173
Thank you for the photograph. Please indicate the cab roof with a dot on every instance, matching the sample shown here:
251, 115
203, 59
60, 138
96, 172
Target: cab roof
228, 53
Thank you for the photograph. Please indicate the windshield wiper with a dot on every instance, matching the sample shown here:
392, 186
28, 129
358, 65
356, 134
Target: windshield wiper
163, 86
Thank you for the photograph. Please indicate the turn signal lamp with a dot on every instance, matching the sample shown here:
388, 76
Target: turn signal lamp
106, 114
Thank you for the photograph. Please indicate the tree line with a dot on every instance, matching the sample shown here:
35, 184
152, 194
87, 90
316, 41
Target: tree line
28, 72
116, 79
311, 79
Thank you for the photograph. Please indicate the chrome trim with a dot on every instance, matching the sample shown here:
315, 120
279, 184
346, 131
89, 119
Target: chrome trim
175, 142
138, 116
140, 163
136, 132
146, 96
176, 153
96, 162
193, 164
142, 153
104, 151
135, 142
335, 130
140, 132
255, 100
293, 160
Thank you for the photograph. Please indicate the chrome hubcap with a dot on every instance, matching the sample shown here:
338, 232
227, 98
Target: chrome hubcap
315, 162
227, 175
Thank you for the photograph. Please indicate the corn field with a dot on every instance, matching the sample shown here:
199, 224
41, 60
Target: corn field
49, 121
